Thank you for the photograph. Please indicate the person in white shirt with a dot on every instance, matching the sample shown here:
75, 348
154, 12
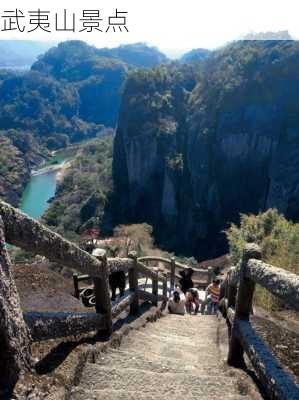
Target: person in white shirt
176, 304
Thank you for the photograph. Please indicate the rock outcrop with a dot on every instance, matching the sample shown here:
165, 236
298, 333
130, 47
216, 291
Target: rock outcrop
190, 157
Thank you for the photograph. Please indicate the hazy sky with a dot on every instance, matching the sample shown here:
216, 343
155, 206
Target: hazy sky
172, 25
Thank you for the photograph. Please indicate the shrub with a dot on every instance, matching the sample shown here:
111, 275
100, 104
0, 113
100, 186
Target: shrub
279, 242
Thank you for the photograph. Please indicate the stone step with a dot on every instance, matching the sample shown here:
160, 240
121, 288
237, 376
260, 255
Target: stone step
156, 363
80, 394
175, 358
164, 349
186, 325
191, 344
174, 334
188, 320
202, 358
99, 378
170, 348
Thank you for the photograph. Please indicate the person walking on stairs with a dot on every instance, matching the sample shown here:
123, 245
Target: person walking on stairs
212, 298
186, 279
176, 304
192, 301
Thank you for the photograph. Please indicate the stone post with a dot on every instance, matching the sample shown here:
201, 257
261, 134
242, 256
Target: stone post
155, 288
76, 286
15, 355
172, 275
243, 305
102, 295
133, 284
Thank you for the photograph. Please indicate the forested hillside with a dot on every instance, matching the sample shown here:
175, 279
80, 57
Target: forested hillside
195, 55
83, 194
19, 153
69, 95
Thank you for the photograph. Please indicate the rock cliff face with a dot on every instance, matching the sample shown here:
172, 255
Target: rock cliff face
189, 158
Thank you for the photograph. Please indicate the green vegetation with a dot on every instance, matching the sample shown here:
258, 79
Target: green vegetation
153, 115
195, 55
96, 74
70, 92
95, 79
45, 107
279, 241
69, 95
135, 55
21, 256
245, 72
19, 152
82, 195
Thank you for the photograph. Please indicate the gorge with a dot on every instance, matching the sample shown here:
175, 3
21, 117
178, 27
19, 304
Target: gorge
198, 141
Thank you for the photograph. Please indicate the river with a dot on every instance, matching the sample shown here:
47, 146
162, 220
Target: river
41, 187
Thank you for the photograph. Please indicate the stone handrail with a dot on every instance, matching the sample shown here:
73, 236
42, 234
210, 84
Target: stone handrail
169, 261
51, 325
175, 265
278, 281
237, 307
28, 234
18, 329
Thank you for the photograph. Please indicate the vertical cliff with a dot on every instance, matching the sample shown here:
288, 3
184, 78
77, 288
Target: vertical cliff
148, 162
192, 153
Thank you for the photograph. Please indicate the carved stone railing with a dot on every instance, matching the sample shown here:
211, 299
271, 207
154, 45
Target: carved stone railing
30, 235
172, 267
18, 329
135, 270
51, 325
237, 307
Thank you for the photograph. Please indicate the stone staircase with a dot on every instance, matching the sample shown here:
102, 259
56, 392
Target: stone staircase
176, 358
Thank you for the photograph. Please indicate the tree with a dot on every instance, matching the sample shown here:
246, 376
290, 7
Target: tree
138, 237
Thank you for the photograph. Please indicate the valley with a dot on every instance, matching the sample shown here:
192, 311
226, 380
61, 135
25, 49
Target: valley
163, 167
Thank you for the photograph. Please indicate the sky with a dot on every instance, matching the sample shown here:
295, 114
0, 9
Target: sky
174, 26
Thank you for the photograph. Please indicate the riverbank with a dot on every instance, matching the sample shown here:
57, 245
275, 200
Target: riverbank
62, 171
45, 170
15, 166
81, 199
42, 187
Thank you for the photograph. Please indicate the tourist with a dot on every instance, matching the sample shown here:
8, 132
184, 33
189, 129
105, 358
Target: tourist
117, 279
186, 279
212, 298
222, 297
193, 300
176, 304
